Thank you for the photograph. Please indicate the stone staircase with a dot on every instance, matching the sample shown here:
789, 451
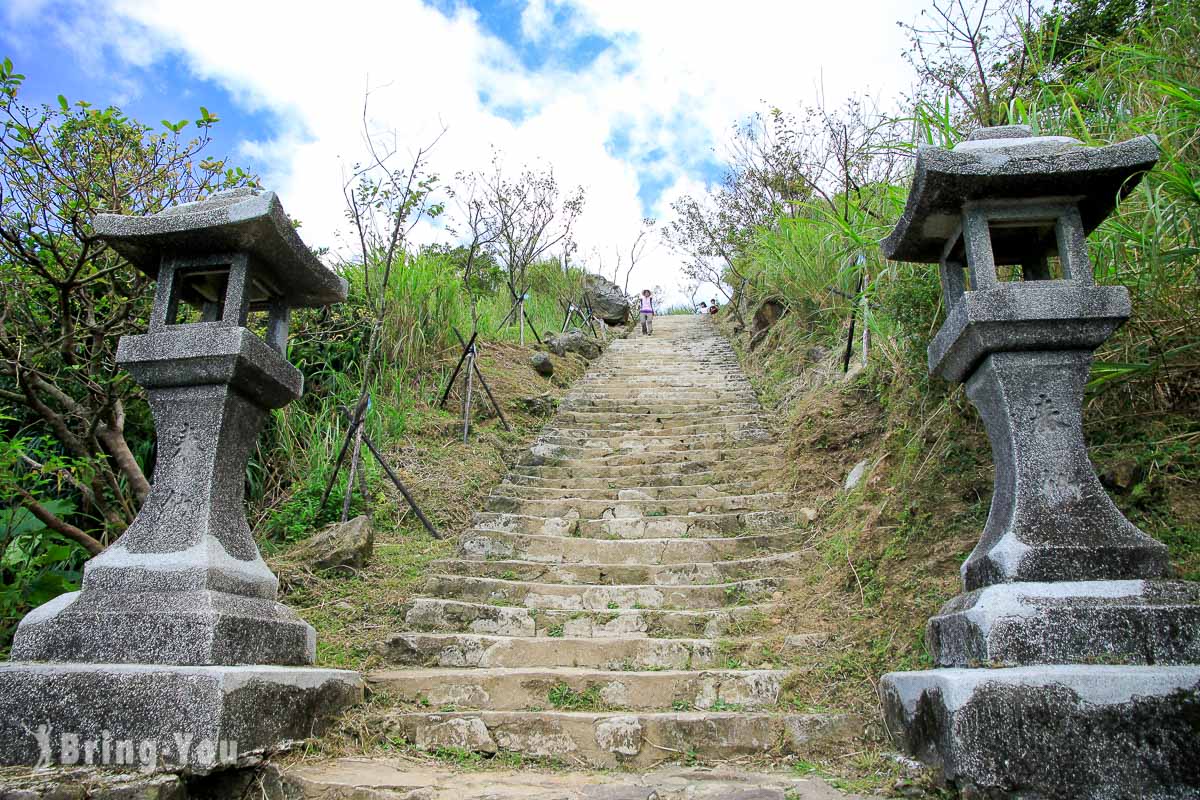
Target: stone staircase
608, 606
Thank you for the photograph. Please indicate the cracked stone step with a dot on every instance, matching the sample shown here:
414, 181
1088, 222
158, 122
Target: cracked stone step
584, 597
599, 574
717, 525
563, 550
631, 740
442, 615
521, 689
631, 504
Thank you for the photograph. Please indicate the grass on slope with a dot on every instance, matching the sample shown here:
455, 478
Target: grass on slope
889, 551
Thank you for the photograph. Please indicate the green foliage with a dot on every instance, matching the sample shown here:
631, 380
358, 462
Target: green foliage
36, 565
66, 299
564, 698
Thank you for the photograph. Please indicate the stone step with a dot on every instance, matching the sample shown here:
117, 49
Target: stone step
476, 544
393, 779
575, 446
616, 653
608, 574
632, 741
576, 457
682, 473
626, 409
671, 492
439, 615
582, 415
718, 525
571, 427
520, 689
633, 504
583, 597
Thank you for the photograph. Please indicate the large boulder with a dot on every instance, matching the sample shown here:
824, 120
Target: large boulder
573, 341
607, 300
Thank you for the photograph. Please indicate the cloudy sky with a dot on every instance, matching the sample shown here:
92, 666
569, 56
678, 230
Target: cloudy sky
632, 100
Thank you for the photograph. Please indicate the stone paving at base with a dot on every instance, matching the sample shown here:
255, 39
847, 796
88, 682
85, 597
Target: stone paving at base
368, 779
596, 606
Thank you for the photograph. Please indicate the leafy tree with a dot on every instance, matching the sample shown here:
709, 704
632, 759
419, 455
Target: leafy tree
67, 298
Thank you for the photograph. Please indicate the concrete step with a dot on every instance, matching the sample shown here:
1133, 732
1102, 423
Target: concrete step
632, 740
441, 615
477, 544
520, 689
582, 597
703, 572
718, 525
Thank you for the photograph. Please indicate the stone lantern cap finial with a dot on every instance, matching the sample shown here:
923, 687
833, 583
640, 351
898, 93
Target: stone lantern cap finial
1010, 162
241, 220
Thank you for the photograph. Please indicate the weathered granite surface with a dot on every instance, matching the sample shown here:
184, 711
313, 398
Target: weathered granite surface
1053, 732
1071, 622
173, 716
1010, 163
1050, 519
241, 220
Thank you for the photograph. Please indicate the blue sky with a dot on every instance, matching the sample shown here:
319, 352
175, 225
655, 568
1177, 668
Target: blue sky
632, 100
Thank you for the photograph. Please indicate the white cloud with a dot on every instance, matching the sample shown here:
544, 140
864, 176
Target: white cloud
678, 76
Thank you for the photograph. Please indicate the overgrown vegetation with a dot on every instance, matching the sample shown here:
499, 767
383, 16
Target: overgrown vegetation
77, 449
826, 186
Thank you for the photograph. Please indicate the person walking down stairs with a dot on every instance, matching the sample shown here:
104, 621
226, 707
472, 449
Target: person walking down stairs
647, 312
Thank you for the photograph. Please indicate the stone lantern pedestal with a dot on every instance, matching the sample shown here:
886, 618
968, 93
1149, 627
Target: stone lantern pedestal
1070, 667
175, 653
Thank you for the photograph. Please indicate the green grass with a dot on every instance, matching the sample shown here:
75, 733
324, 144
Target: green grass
564, 698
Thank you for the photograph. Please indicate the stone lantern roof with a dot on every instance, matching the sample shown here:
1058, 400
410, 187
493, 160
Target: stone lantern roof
1010, 162
241, 220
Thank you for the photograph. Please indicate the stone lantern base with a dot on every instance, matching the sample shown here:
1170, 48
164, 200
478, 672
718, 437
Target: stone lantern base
150, 716
1053, 731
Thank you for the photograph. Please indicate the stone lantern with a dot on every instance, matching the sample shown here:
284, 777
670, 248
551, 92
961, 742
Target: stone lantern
176, 630
1069, 666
